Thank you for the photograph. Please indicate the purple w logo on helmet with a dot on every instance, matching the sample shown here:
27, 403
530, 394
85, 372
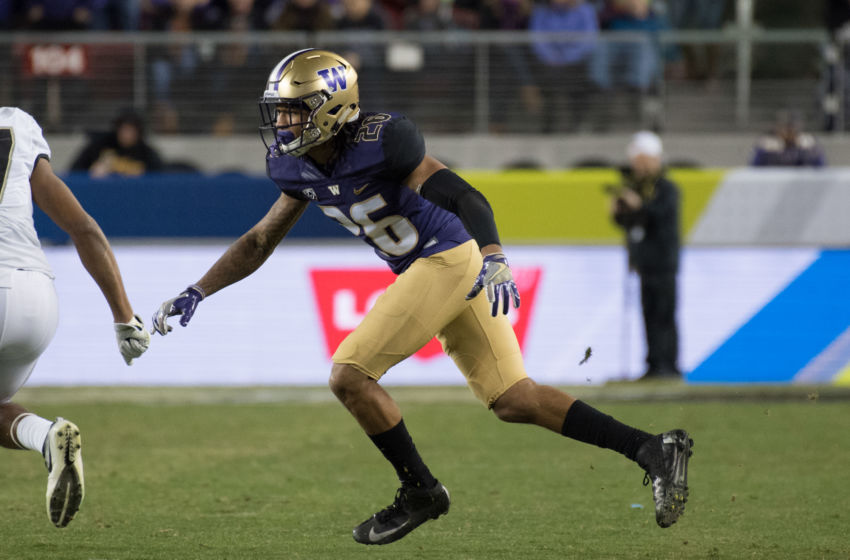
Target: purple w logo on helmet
334, 77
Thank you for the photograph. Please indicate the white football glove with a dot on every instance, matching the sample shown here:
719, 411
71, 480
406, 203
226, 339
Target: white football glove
133, 339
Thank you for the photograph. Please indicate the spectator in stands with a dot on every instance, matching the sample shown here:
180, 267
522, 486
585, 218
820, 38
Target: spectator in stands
224, 72
9, 13
637, 64
431, 15
117, 15
836, 86
242, 15
701, 60
505, 14
646, 206
787, 145
837, 16
186, 15
467, 13
304, 15
174, 67
367, 58
392, 12
121, 151
509, 59
9, 17
235, 15
560, 89
71, 88
55, 15
428, 15
362, 15
491, 14
451, 60
58, 15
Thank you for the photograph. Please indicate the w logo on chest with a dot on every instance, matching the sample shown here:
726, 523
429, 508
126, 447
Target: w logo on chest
334, 77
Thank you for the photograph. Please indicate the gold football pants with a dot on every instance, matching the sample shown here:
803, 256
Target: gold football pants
428, 299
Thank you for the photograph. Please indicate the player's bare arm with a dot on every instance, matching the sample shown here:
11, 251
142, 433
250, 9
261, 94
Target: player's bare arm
251, 250
53, 196
240, 260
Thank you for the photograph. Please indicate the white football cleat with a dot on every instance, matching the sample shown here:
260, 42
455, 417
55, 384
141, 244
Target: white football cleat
65, 485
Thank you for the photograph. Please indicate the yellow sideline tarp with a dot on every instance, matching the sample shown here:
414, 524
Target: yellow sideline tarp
571, 206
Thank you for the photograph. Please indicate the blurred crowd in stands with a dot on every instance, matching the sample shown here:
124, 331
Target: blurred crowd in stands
316, 15
567, 85
579, 67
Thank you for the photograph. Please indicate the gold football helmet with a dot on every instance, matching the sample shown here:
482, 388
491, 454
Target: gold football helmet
319, 84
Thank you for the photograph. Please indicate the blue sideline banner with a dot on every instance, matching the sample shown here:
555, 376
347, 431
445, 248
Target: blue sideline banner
183, 206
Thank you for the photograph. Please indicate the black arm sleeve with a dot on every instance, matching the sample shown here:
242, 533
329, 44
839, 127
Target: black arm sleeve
445, 189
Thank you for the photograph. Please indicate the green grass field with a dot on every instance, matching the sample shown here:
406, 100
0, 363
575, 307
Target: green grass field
249, 473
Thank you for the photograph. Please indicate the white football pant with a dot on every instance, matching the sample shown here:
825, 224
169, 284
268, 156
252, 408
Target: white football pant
29, 313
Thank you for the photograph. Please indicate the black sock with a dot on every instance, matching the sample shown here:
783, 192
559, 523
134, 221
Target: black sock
586, 424
398, 448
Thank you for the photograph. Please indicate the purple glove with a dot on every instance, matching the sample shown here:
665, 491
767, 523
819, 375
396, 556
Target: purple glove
496, 277
184, 305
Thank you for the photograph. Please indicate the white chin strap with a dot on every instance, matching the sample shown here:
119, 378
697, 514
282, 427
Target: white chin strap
348, 115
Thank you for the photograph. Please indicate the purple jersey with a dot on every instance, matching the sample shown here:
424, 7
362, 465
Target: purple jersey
362, 189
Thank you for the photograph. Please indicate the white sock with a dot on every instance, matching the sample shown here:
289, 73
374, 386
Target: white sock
30, 431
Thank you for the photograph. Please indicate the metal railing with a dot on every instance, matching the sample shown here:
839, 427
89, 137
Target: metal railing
731, 80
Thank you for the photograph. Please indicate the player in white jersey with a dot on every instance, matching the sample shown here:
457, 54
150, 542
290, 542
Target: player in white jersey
28, 306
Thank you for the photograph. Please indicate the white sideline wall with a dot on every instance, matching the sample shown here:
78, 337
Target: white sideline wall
268, 329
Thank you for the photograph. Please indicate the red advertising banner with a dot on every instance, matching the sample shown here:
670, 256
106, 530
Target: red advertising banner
344, 296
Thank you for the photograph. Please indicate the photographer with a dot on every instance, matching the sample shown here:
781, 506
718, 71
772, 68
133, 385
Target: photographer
646, 206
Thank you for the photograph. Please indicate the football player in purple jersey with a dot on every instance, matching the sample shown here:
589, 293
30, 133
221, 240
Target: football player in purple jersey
370, 172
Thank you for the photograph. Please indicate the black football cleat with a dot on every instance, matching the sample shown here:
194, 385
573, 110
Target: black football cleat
665, 460
412, 507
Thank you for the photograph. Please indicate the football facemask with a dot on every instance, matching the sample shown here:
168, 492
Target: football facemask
319, 84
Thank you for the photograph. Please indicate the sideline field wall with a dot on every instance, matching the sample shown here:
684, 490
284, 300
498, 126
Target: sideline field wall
719, 207
757, 308
563, 207
746, 315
